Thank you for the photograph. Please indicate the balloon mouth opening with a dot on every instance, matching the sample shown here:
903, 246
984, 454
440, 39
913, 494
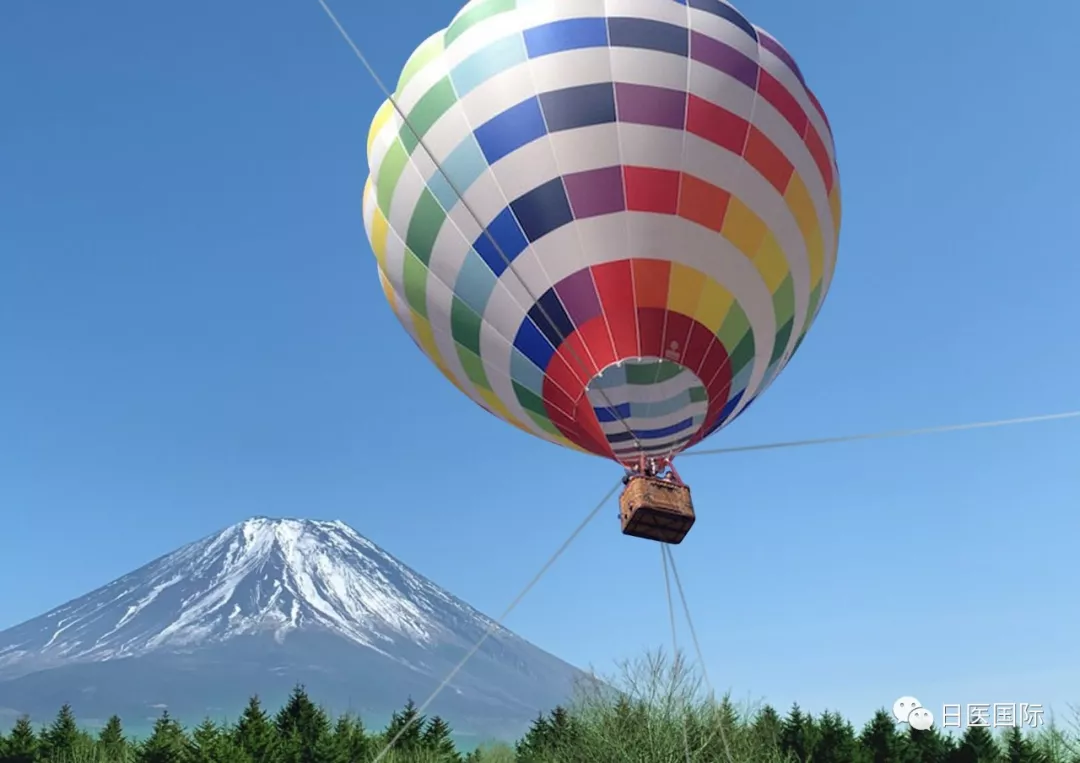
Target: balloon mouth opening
647, 406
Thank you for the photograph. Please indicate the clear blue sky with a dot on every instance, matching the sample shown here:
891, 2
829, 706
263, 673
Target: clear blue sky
192, 332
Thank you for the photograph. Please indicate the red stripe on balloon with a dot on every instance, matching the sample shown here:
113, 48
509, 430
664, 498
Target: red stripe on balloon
615, 285
565, 388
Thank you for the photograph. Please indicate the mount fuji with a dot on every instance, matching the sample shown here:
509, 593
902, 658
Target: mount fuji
259, 607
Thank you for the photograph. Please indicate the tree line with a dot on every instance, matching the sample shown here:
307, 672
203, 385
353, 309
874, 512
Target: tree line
655, 713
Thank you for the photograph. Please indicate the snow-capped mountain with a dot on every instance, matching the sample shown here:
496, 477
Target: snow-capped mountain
259, 576
271, 603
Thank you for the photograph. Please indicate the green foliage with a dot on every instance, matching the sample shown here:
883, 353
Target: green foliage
929, 747
111, 743
436, 739
62, 737
351, 741
167, 742
210, 743
303, 730
254, 736
836, 742
798, 735
22, 745
407, 727
654, 711
881, 742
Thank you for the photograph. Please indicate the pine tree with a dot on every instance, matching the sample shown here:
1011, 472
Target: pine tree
727, 715
1018, 748
349, 742
210, 744
111, 742
836, 741
254, 736
22, 743
303, 728
61, 738
929, 746
880, 741
798, 734
437, 740
765, 729
977, 746
564, 730
549, 737
536, 743
337, 748
166, 743
409, 724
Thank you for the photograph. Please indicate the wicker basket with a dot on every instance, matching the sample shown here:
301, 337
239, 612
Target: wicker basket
656, 509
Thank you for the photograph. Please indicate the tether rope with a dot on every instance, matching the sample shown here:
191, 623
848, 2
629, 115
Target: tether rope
497, 623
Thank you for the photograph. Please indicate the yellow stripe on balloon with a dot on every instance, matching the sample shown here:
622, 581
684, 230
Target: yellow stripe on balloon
743, 227
771, 262
380, 229
834, 207
426, 336
684, 288
388, 289
802, 206
382, 116
500, 410
714, 305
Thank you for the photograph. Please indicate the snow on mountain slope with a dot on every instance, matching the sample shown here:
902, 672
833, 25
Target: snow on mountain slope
258, 577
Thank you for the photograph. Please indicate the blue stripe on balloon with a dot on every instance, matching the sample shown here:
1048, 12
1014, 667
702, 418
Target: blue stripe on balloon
551, 318
542, 209
507, 234
505, 133
649, 35
651, 434
579, 106
531, 343
613, 413
567, 34
724, 11
725, 412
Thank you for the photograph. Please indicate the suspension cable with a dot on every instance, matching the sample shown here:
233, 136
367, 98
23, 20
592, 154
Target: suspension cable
719, 726
885, 435
497, 623
472, 213
675, 666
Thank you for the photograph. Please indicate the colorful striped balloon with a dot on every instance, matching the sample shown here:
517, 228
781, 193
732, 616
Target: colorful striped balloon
609, 222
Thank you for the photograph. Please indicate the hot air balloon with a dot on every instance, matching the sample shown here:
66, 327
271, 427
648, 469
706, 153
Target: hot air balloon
610, 223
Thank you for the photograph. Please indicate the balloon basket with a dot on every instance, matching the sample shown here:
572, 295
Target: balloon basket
657, 509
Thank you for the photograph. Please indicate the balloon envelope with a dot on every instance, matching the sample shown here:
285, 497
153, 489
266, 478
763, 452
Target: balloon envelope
608, 222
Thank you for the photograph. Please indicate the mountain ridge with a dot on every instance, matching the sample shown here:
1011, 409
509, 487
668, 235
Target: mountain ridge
276, 602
